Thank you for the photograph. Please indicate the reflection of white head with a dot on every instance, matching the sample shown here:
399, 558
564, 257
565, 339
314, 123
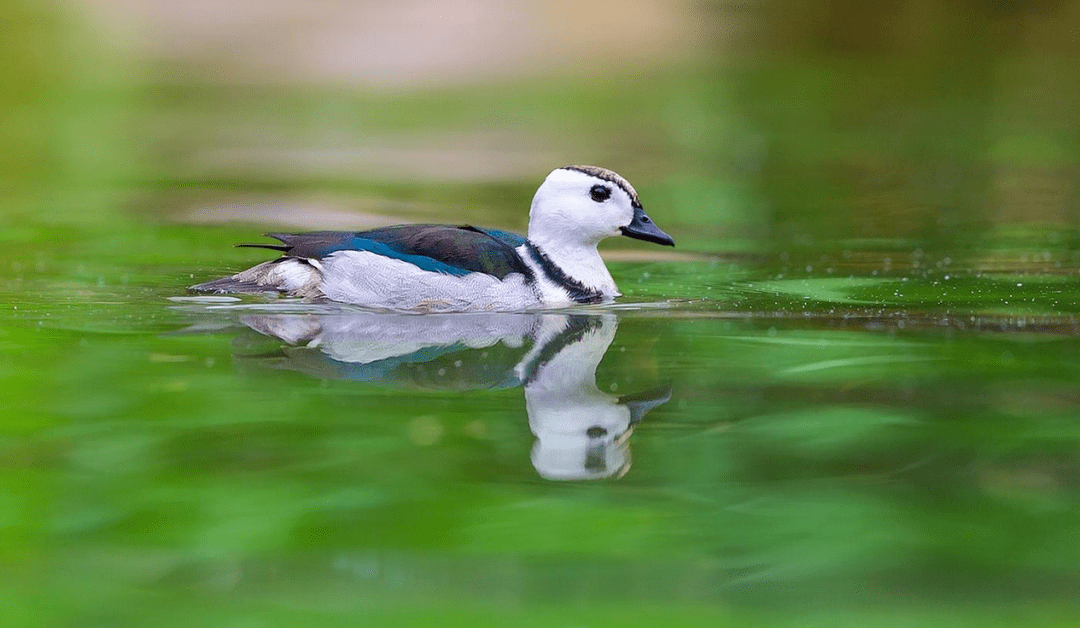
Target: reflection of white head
580, 431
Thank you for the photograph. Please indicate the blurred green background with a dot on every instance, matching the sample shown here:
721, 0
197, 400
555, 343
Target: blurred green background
869, 322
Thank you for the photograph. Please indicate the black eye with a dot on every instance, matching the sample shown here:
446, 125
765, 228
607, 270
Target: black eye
600, 193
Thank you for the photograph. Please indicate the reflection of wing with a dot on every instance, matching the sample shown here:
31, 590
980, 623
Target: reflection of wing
453, 367
441, 352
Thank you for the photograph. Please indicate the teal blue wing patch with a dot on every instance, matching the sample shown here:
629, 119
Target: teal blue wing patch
450, 250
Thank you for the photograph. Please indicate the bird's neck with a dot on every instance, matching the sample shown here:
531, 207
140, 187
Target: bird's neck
576, 267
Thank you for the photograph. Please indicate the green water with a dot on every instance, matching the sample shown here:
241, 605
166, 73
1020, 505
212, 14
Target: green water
832, 460
849, 399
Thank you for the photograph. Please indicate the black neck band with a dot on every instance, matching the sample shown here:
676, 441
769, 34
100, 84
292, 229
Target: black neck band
578, 291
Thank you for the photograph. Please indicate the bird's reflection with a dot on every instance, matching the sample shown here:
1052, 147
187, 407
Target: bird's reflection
581, 432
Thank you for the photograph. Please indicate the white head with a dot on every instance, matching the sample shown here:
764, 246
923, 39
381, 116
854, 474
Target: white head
581, 205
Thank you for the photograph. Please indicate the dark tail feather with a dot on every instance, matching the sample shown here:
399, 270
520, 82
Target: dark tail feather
284, 248
230, 284
273, 247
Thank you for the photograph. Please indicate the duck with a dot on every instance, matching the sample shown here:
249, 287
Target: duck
447, 268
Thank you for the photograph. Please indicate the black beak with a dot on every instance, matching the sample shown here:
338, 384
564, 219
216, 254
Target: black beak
642, 228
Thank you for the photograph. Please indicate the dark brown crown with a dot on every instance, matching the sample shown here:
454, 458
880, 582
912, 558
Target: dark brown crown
611, 177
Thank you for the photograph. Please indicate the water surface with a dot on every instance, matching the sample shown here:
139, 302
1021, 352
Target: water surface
744, 452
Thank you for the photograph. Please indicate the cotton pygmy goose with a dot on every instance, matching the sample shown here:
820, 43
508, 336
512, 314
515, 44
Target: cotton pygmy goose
461, 268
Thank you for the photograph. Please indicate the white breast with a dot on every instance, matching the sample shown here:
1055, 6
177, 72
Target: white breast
373, 280
582, 264
550, 293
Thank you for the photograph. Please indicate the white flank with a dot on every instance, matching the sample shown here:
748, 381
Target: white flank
292, 276
374, 280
